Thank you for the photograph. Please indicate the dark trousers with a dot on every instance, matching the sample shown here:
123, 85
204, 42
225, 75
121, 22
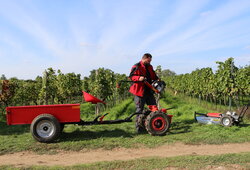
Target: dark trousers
148, 98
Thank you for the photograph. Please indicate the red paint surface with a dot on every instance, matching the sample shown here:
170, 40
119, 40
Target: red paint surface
153, 108
89, 98
214, 114
164, 110
170, 118
25, 114
156, 121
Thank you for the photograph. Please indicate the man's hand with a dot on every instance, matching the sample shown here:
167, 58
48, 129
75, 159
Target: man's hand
141, 78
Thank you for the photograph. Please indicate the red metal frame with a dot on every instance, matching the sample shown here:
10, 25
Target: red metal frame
25, 114
156, 121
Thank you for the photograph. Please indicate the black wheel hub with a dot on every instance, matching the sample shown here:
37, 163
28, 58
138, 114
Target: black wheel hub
158, 123
45, 128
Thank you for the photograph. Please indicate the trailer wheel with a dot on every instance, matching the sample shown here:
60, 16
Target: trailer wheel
157, 123
140, 123
45, 128
226, 121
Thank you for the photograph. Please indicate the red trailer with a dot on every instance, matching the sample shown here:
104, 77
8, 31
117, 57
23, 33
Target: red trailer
47, 121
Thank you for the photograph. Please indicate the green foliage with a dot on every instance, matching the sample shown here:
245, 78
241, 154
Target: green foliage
225, 76
226, 83
6, 93
183, 129
48, 91
242, 80
87, 111
55, 87
121, 92
3, 77
167, 73
68, 85
121, 110
102, 83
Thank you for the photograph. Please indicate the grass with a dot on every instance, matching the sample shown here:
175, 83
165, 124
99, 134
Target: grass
184, 129
232, 161
120, 111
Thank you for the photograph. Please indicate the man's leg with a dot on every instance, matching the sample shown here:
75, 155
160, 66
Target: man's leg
151, 102
139, 103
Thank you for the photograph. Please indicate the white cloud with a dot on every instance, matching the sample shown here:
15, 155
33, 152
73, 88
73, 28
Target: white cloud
192, 39
247, 47
183, 13
32, 25
115, 35
205, 14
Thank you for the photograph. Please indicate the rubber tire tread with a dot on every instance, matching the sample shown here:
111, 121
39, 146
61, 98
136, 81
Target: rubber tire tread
50, 118
230, 118
148, 123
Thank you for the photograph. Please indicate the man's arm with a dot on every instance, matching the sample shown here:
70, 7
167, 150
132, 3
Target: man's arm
135, 74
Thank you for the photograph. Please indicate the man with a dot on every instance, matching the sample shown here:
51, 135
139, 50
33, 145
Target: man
140, 72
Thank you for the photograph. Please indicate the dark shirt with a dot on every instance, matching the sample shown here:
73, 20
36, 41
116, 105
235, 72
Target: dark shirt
149, 80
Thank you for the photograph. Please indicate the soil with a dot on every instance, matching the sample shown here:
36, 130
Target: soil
69, 158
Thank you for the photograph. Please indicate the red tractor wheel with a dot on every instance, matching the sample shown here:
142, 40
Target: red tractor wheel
157, 123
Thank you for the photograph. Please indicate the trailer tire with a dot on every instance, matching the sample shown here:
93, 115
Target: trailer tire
226, 121
157, 123
140, 123
45, 128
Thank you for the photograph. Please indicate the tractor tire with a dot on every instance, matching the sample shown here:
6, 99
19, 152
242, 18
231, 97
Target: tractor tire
45, 128
140, 123
226, 121
157, 123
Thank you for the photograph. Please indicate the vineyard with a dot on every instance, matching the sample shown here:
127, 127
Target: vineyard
182, 93
229, 86
58, 88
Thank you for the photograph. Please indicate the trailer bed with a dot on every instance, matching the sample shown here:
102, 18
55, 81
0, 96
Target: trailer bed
64, 113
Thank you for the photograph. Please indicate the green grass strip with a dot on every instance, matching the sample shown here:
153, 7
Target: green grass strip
241, 161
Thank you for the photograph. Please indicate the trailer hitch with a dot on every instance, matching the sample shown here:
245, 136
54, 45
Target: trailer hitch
101, 117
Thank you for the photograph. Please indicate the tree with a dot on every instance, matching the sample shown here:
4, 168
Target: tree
167, 73
68, 85
158, 71
225, 79
3, 77
7, 92
49, 89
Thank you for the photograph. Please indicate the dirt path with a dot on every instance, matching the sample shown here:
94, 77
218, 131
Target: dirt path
73, 158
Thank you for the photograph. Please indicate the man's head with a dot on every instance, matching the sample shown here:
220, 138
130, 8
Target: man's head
146, 58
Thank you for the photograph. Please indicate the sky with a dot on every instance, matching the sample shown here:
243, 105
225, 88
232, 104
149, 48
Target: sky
82, 35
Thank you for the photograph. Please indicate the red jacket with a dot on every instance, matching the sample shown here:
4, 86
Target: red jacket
137, 71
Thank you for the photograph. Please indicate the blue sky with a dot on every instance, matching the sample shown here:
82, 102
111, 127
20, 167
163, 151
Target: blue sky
82, 35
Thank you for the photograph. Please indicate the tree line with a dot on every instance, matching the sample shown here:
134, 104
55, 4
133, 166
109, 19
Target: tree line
228, 85
55, 87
